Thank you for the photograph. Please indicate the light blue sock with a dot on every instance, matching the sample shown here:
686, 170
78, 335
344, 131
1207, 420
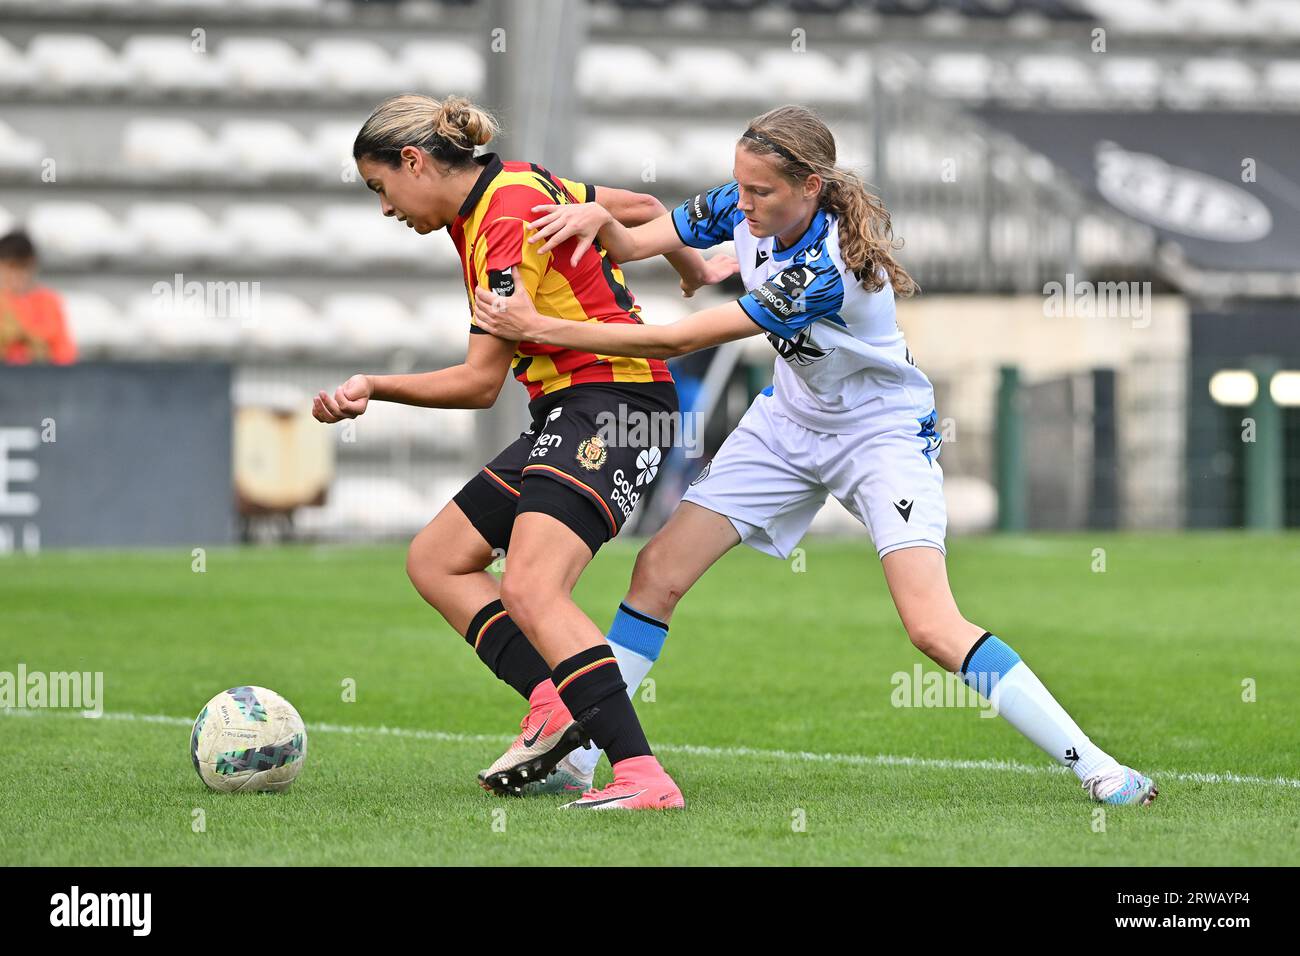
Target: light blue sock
996, 672
636, 640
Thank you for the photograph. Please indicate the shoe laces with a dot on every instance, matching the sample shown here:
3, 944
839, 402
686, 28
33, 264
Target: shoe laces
1102, 785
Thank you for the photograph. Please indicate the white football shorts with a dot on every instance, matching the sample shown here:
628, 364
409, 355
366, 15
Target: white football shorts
771, 477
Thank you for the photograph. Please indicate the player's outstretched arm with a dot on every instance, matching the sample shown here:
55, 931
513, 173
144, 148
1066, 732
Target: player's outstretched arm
631, 209
613, 219
475, 383
515, 319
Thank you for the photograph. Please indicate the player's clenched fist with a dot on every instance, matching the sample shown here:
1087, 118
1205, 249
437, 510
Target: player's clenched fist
348, 401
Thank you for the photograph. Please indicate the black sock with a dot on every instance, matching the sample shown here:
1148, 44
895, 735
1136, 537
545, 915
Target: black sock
503, 647
592, 687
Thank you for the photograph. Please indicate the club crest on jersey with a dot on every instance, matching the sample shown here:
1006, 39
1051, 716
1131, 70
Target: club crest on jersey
501, 282
592, 453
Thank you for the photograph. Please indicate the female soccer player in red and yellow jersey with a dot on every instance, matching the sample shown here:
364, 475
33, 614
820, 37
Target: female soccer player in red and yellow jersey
558, 492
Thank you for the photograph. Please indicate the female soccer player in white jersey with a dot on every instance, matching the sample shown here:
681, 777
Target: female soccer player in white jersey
848, 414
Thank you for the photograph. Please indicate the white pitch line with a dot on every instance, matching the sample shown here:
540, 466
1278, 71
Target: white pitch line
696, 750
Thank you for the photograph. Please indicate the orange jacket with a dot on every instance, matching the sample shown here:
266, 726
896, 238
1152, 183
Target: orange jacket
33, 329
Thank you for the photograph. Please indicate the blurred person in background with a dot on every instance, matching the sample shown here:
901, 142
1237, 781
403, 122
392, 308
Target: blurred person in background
33, 327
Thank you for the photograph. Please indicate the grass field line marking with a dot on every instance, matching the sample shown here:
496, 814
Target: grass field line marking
697, 750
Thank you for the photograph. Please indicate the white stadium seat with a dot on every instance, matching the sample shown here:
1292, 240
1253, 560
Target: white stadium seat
917, 155
615, 72
176, 230
1060, 78
622, 155
16, 71
171, 64
284, 324
74, 230
1217, 79
266, 65
1282, 79
266, 149
358, 67
182, 325
374, 322
716, 74
852, 148
1135, 16
73, 61
962, 76
444, 67
1131, 79
331, 144
1275, 17
360, 233
445, 319
171, 146
709, 152
272, 233
810, 77
97, 325
19, 153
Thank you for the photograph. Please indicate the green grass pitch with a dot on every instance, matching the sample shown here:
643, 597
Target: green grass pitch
772, 708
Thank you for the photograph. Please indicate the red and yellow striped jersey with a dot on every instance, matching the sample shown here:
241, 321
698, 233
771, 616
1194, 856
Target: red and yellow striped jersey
490, 237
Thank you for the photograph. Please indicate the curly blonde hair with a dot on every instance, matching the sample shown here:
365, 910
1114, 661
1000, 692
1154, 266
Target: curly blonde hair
801, 145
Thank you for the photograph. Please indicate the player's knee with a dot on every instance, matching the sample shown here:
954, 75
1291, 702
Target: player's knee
943, 641
416, 562
429, 563
929, 638
655, 585
521, 598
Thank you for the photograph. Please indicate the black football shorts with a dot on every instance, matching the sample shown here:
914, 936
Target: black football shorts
588, 458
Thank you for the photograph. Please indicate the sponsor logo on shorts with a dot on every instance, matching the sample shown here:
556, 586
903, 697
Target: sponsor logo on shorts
625, 496
592, 453
544, 444
648, 462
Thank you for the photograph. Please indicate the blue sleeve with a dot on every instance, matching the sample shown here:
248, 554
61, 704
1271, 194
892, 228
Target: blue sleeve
795, 298
710, 218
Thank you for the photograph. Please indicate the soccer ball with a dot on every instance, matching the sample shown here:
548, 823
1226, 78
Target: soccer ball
248, 738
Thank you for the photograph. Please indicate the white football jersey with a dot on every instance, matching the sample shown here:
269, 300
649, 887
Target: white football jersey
841, 354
